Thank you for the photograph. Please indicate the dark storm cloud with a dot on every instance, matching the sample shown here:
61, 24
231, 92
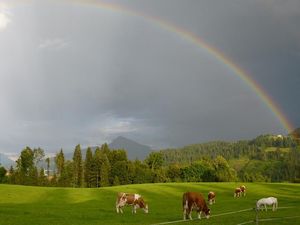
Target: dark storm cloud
85, 75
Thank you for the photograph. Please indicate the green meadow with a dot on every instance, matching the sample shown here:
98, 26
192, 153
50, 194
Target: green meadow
24, 205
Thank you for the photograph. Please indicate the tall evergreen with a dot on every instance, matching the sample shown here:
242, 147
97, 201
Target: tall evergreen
104, 171
25, 167
60, 162
77, 167
88, 167
48, 167
96, 167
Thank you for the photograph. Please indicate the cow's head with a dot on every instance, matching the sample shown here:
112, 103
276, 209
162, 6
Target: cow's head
207, 213
146, 208
141, 203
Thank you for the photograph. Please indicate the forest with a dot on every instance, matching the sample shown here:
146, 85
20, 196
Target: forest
267, 158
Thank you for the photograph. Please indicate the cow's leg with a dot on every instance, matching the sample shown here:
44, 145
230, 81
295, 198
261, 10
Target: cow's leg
185, 210
190, 214
133, 209
118, 208
266, 207
199, 215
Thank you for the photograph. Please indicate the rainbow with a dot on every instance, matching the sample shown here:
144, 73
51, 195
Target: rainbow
200, 43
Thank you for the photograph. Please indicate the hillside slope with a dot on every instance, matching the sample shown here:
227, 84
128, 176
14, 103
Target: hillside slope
64, 206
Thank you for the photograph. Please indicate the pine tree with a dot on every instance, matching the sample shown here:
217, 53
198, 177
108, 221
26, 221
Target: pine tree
104, 171
25, 166
105, 149
96, 167
60, 162
48, 166
77, 167
88, 166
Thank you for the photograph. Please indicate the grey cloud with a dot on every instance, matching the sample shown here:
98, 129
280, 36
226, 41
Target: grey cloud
112, 74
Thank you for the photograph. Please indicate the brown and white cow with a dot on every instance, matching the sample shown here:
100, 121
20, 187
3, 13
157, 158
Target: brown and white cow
194, 200
211, 197
237, 192
128, 199
243, 190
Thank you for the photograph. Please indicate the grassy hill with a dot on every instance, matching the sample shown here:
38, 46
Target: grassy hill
25, 205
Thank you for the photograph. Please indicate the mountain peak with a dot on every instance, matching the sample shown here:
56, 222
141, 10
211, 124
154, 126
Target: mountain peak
133, 148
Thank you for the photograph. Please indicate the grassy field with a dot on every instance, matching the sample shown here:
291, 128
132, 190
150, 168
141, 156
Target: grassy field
20, 205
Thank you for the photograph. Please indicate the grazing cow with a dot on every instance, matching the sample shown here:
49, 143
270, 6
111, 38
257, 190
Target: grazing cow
237, 192
135, 200
243, 190
211, 197
267, 201
193, 200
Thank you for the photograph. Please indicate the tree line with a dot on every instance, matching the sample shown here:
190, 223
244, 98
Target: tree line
265, 158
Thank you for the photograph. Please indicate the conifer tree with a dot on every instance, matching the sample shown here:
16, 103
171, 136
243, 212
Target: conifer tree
77, 167
60, 162
88, 167
104, 171
48, 166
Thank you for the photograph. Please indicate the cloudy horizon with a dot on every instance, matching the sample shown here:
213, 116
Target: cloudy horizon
72, 73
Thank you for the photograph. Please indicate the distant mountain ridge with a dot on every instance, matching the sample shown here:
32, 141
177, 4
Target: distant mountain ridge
134, 150
5, 161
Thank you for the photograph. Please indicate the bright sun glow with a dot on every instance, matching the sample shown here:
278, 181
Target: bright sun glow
4, 20
4, 16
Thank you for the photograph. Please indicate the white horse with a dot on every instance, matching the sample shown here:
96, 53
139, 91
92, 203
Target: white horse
267, 201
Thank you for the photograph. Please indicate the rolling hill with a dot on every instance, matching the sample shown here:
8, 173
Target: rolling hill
86, 206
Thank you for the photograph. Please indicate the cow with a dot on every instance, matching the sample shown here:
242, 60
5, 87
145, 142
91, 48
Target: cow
134, 200
237, 192
194, 200
243, 190
211, 197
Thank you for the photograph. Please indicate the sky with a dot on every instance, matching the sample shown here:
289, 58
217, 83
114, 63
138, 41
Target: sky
84, 73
